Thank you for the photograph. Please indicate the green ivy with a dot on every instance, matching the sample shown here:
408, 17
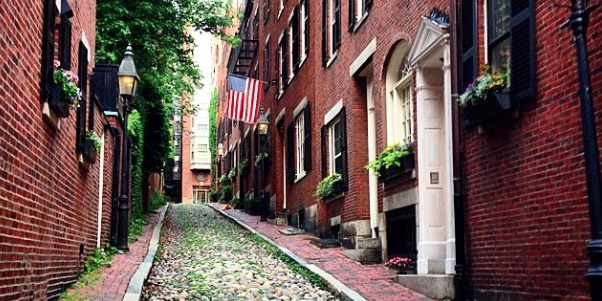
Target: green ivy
326, 186
213, 135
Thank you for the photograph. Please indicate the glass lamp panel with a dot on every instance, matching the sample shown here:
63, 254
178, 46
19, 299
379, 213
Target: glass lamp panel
126, 83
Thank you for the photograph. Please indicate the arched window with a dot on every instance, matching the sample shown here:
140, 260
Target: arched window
400, 108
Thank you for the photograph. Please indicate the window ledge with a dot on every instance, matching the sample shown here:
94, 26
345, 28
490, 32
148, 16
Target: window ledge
303, 59
358, 23
280, 12
290, 78
332, 58
280, 93
50, 117
300, 177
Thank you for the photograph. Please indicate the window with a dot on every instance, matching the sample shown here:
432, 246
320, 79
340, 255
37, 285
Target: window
295, 40
284, 60
300, 146
358, 9
304, 29
256, 25
83, 86
266, 10
202, 128
48, 42
335, 145
281, 8
200, 194
266, 63
499, 34
331, 29
399, 105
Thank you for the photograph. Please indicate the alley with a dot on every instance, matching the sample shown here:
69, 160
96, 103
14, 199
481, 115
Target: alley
206, 257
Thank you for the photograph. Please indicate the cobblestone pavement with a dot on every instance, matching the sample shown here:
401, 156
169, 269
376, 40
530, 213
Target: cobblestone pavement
207, 257
373, 282
114, 280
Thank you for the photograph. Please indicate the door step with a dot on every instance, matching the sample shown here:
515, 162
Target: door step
291, 231
325, 243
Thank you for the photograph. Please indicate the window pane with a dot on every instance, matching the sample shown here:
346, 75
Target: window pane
337, 138
499, 18
500, 57
338, 165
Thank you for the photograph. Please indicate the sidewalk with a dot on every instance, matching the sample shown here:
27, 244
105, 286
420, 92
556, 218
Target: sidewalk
114, 280
373, 282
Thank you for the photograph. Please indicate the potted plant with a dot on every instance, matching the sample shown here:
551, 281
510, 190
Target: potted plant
243, 169
64, 93
402, 265
92, 146
329, 187
487, 96
395, 160
232, 174
259, 158
223, 179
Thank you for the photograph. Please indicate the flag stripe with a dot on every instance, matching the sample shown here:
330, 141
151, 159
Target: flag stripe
244, 96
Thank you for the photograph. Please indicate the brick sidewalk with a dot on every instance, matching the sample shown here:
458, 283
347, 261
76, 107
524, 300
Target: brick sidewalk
373, 282
114, 280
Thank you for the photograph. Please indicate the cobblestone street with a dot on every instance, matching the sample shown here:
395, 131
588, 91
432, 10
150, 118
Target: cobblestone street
206, 257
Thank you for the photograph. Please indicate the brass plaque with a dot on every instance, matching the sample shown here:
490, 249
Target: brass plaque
434, 178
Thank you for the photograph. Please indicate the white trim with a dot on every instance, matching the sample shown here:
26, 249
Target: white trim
485, 32
280, 116
333, 112
58, 5
300, 107
267, 39
100, 187
363, 57
428, 38
85, 41
331, 59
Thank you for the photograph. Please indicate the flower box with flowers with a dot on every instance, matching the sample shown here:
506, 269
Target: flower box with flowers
64, 94
92, 147
486, 97
394, 161
401, 265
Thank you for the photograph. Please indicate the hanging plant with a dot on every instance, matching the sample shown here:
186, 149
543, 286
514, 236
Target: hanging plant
223, 179
329, 186
243, 169
393, 155
259, 158
232, 173
91, 135
67, 81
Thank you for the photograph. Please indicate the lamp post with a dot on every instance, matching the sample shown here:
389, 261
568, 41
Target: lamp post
263, 125
579, 21
128, 82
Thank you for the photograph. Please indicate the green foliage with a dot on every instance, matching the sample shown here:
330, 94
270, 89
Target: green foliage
243, 169
158, 200
487, 83
67, 80
223, 179
213, 134
292, 264
136, 227
326, 186
232, 173
252, 204
91, 135
390, 156
214, 195
235, 202
226, 194
259, 158
91, 274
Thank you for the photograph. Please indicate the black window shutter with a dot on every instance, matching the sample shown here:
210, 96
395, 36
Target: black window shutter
343, 118
290, 152
368, 4
351, 14
324, 143
48, 46
307, 35
266, 64
296, 38
83, 86
65, 44
522, 35
337, 26
324, 34
307, 143
285, 70
268, 144
277, 61
470, 63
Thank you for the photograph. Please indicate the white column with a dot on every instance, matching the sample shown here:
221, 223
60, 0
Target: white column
284, 150
450, 247
372, 178
100, 187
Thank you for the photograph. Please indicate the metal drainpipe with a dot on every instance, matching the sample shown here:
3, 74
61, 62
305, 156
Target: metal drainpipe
459, 195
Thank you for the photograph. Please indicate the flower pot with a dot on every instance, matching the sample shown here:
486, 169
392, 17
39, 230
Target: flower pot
394, 171
495, 104
90, 152
57, 101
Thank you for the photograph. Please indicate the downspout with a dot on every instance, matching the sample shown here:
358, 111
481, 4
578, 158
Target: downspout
459, 195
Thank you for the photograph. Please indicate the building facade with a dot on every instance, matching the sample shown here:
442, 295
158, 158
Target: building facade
345, 81
60, 169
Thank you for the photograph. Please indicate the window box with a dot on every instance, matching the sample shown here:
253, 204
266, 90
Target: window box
394, 171
90, 152
59, 104
481, 111
337, 192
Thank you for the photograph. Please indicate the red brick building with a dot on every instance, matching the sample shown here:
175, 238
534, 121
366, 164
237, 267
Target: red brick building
346, 79
57, 193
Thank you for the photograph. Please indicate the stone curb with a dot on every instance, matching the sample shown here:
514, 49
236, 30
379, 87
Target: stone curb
335, 285
137, 281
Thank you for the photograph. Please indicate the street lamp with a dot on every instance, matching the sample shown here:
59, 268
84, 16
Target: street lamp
128, 83
263, 125
578, 22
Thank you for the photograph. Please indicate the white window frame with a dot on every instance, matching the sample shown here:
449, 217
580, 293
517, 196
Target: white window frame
401, 111
303, 20
291, 70
281, 8
280, 66
300, 145
331, 145
331, 28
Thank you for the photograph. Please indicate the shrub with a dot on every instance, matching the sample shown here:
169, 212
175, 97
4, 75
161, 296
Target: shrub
252, 204
235, 202
326, 187
226, 194
158, 200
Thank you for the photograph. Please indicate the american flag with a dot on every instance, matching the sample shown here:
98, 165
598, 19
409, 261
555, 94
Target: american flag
243, 98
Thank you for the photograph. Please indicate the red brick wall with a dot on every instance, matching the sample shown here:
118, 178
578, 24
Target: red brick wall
48, 204
526, 212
